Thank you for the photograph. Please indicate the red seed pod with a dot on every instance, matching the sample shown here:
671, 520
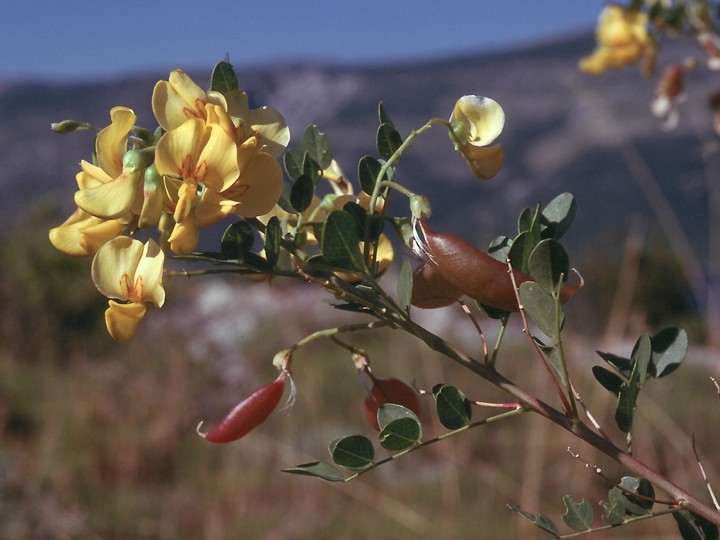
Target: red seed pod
248, 414
431, 291
390, 390
473, 272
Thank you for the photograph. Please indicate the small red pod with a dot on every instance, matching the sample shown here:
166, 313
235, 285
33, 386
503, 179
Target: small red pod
472, 271
248, 414
430, 290
390, 390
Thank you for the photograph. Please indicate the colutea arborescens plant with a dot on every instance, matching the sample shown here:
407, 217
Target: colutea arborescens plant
213, 158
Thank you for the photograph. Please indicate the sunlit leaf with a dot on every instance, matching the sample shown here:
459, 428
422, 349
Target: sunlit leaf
341, 243
499, 248
388, 140
520, 249
353, 452
558, 215
540, 307
614, 512
548, 264
539, 520
578, 516
317, 469
453, 408
223, 78
669, 347
400, 428
405, 285
317, 146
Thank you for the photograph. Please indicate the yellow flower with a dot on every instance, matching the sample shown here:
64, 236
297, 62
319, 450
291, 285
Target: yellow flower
82, 234
622, 39
476, 122
179, 98
195, 157
124, 269
107, 191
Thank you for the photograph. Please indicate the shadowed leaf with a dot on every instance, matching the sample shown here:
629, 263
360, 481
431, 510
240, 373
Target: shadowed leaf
400, 428
341, 243
353, 452
388, 140
453, 408
539, 520
223, 78
317, 146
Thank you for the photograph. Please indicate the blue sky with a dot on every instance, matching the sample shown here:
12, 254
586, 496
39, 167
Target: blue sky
51, 39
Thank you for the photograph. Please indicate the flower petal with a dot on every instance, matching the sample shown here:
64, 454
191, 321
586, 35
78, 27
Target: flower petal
177, 99
111, 142
258, 188
149, 274
272, 129
477, 120
82, 234
484, 162
113, 268
122, 320
111, 200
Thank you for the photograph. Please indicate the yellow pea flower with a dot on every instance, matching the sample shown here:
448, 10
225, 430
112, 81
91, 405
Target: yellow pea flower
82, 234
126, 270
476, 122
106, 192
622, 39
176, 100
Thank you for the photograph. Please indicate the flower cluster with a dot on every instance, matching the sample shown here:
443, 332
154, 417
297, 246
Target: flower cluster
622, 40
212, 156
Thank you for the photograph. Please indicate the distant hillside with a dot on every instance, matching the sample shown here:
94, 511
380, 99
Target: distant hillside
563, 133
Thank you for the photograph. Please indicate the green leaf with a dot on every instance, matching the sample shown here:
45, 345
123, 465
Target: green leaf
669, 347
237, 240
400, 428
405, 285
223, 78
317, 469
520, 250
528, 220
578, 516
608, 379
453, 408
293, 161
301, 193
540, 307
368, 171
625, 409
614, 513
340, 243
383, 115
273, 236
353, 452
548, 264
552, 353
359, 215
635, 506
499, 248
622, 365
558, 215
694, 527
311, 168
317, 146
388, 140
539, 520
640, 359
